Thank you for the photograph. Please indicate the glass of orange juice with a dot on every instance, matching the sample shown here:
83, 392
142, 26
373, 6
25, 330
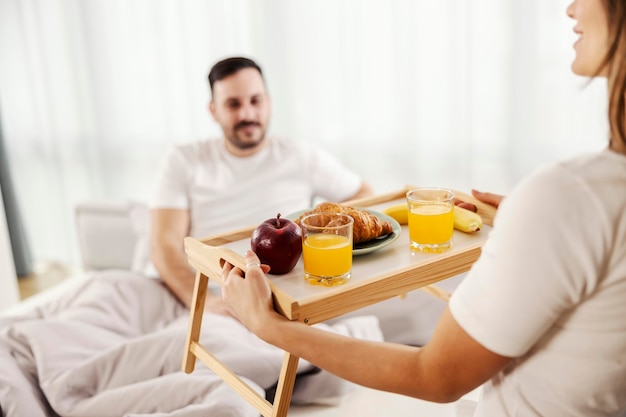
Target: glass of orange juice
327, 248
431, 218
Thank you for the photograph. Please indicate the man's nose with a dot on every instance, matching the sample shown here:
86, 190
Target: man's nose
247, 112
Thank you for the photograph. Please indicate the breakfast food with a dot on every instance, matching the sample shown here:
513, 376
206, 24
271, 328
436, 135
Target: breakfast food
278, 243
366, 225
399, 212
468, 206
464, 220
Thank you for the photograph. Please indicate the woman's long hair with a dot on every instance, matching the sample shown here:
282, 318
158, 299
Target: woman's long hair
615, 62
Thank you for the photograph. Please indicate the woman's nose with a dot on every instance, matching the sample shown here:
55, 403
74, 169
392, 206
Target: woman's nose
570, 9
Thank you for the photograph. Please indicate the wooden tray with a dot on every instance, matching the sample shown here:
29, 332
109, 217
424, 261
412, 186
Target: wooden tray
391, 271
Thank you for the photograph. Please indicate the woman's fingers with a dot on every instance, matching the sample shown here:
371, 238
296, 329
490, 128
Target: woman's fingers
488, 198
251, 258
226, 271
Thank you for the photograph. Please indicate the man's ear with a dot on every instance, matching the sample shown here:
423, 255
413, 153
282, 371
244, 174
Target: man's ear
212, 108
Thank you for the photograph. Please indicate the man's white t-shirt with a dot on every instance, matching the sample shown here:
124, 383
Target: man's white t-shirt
224, 192
550, 290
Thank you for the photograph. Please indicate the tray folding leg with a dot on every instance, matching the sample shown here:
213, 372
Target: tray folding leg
285, 385
195, 320
193, 351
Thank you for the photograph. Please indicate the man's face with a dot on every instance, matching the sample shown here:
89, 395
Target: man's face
242, 108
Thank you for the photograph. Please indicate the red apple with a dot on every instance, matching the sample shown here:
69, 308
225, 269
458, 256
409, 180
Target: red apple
278, 243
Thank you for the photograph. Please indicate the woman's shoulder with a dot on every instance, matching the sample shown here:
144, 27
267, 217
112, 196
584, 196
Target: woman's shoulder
583, 171
601, 166
579, 186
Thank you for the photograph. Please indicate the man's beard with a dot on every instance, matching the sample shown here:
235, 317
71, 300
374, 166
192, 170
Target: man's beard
244, 144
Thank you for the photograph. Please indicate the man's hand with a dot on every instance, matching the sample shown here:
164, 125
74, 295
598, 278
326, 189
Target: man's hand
169, 228
216, 305
488, 198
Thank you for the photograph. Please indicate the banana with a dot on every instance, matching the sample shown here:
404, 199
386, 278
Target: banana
399, 212
464, 220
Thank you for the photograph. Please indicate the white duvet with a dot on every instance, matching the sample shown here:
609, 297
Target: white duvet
113, 346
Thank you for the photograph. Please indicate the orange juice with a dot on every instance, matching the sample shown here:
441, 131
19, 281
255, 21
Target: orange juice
327, 248
327, 255
431, 224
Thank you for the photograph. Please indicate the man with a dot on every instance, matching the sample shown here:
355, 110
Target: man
239, 180
120, 337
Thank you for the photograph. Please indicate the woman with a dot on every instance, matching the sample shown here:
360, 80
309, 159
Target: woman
540, 317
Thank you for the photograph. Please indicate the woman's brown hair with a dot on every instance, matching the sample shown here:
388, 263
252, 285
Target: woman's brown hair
615, 62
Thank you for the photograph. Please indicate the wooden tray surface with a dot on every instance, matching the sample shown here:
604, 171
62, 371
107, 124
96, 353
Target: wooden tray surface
391, 271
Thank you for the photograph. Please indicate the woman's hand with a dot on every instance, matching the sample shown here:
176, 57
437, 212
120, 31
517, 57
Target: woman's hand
488, 198
250, 296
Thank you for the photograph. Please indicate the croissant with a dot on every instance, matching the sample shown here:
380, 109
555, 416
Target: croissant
366, 226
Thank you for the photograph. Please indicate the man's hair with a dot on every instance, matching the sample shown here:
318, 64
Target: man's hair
229, 66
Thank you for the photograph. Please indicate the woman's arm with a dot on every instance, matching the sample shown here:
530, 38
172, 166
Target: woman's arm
450, 365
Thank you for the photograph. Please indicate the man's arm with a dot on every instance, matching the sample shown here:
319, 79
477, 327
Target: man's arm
364, 191
169, 229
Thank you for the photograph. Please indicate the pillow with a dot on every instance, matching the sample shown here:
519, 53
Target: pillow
105, 235
139, 215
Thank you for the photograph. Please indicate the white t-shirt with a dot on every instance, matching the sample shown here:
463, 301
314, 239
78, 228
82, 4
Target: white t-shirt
550, 290
224, 192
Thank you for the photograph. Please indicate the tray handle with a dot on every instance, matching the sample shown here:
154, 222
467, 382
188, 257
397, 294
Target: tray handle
211, 259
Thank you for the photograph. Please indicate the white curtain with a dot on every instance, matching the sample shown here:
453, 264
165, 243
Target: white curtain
9, 292
458, 93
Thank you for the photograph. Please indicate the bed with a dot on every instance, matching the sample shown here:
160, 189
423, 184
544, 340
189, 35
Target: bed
109, 341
